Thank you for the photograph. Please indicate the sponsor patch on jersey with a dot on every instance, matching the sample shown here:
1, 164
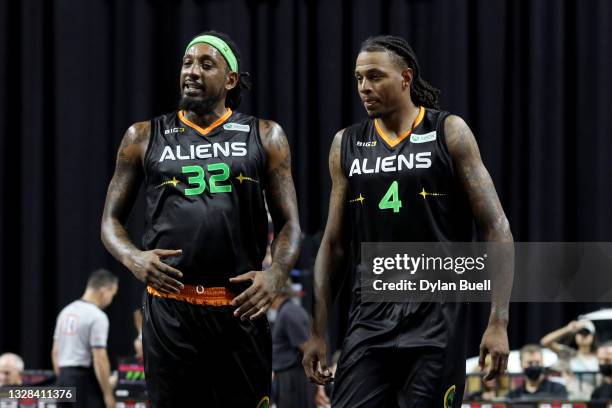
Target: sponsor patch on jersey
237, 127
426, 137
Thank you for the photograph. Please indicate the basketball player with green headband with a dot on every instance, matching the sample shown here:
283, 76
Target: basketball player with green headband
206, 169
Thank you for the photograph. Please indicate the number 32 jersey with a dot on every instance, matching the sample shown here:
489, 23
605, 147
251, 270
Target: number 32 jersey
405, 189
204, 195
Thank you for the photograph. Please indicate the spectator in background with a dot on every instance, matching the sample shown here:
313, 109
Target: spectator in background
536, 386
577, 389
289, 335
79, 342
11, 367
604, 357
581, 354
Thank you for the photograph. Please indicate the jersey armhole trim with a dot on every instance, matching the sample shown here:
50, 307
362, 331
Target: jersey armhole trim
343, 142
442, 139
145, 159
262, 150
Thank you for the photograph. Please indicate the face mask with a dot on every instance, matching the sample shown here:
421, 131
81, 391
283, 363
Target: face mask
534, 372
605, 370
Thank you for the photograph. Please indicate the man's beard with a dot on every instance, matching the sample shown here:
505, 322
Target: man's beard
199, 106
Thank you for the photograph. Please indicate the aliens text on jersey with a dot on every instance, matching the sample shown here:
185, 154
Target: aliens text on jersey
205, 151
391, 164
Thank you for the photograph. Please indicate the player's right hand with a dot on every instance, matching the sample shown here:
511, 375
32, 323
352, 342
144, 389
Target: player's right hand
315, 361
148, 267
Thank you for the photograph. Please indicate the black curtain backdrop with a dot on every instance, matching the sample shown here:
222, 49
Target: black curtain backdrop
532, 78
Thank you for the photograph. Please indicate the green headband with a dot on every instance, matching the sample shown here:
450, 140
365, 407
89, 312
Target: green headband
220, 45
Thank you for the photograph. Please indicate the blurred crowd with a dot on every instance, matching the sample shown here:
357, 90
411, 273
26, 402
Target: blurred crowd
569, 365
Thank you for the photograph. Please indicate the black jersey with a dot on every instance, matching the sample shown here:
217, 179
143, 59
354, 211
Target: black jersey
406, 191
402, 191
204, 195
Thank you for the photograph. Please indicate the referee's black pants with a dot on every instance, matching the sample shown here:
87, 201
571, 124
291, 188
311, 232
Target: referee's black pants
88, 393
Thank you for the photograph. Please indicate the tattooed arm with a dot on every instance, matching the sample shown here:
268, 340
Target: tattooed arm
282, 203
280, 194
122, 191
491, 220
328, 267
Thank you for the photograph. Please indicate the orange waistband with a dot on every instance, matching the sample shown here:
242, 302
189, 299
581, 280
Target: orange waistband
199, 295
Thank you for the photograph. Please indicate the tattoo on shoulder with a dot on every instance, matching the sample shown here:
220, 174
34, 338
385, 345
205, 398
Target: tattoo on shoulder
273, 137
335, 153
336, 146
131, 144
265, 126
458, 134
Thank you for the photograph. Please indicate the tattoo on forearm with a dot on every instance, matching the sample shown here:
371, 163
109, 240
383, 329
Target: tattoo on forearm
281, 190
282, 201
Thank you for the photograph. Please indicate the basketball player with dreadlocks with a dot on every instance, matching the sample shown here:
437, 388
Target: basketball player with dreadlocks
402, 354
205, 170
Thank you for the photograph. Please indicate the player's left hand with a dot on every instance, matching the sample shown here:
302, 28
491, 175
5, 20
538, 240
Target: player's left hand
257, 298
494, 342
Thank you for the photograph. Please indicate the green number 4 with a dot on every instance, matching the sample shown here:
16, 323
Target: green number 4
200, 184
391, 199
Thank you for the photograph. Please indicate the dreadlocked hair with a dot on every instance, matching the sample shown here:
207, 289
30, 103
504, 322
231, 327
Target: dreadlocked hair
234, 95
421, 92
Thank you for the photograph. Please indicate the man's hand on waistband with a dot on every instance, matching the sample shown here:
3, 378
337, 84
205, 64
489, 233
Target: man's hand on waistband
148, 267
257, 298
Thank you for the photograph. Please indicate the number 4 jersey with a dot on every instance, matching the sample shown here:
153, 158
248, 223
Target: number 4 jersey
204, 195
403, 190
